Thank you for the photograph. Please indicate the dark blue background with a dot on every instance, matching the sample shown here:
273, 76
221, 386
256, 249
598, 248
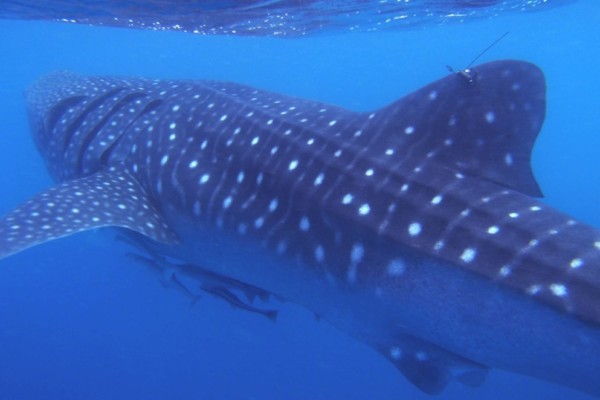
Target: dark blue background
79, 321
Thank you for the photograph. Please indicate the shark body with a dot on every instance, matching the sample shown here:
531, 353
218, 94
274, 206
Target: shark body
413, 228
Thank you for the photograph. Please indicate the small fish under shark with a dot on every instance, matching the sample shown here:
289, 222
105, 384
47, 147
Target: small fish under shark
190, 279
413, 228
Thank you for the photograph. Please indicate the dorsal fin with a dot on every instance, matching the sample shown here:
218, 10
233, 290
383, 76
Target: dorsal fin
484, 126
107, 198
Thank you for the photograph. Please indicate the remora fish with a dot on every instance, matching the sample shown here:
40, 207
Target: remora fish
204, 278
220, 287
411, 228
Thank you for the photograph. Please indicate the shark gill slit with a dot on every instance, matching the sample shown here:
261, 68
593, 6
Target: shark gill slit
84, 147
108, 152
75, 125
58, 111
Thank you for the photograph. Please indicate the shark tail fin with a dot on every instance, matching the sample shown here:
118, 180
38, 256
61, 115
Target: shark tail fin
106, 198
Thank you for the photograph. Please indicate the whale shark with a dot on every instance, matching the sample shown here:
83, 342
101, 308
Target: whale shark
414, 228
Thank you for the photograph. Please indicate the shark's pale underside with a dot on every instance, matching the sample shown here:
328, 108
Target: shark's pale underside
412, 228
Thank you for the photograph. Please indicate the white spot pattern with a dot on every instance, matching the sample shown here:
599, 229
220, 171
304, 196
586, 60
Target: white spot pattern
468, 255
414, 229
204, 178
396, 267
492, 230
395, 353
319, 179
576, 263
304, 224
364, 209
559, 290
319, 254
357, 253
273, 205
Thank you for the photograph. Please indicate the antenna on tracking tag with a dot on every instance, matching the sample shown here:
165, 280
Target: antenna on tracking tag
470, 74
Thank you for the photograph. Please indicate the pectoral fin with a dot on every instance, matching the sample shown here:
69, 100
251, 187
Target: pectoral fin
429, 367
107, 198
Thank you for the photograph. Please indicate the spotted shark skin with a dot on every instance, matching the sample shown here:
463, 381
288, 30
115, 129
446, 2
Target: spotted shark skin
413, 228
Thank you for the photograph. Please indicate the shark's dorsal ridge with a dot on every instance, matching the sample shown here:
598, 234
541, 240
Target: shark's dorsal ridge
107, 198
484, 128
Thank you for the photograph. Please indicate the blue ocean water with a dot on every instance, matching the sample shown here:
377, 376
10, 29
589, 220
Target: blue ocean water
80, 321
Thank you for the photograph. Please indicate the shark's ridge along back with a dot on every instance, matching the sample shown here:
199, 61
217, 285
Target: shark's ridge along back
412, 228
